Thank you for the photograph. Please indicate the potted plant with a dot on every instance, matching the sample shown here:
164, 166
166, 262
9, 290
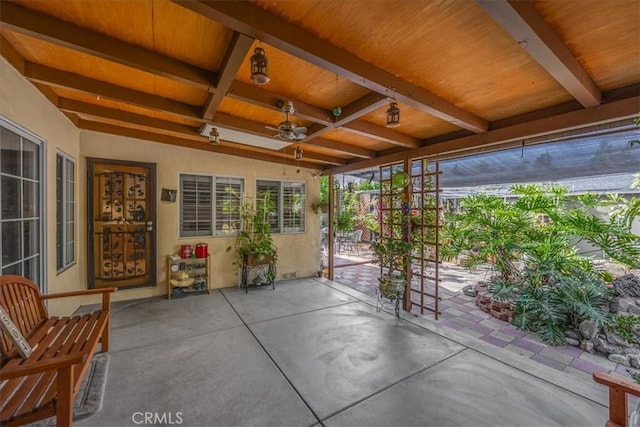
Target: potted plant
392, 254
254, 244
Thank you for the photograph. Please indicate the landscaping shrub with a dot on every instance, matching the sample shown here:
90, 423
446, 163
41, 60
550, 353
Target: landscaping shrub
531, 245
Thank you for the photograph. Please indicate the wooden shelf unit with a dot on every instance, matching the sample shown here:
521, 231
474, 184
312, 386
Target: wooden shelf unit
198, 269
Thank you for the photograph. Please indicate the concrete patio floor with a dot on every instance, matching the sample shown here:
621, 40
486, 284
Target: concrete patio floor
459, 312
315, 352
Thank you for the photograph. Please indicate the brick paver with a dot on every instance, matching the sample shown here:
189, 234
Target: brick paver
459, 312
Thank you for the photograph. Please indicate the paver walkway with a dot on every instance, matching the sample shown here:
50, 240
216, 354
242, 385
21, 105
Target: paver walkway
460, 312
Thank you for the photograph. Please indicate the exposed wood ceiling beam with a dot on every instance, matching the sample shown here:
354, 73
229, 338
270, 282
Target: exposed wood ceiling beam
149, 123
523, 22
12, 56
157, 126
43, 27
251, 20
172, 140
233, 58
241, 124
263, 98
316, 130
362, 127
622, 109
322, 158
57, 78
49, 76
341, 147
322, 119
360, 107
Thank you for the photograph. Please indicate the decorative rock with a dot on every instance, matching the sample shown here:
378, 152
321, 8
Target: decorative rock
627, 286
634, 309
587, 346
622, 304
634, 360
619, 358
572, 341
569, 333
588, 329
603, 346
614, 307
616, 339
637, 301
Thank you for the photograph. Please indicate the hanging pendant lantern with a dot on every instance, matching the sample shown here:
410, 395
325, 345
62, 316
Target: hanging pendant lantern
214, 137
393, 116
298, 153
259, 67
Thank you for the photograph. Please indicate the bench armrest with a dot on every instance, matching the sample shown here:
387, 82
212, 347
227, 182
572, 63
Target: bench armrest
40, 366
79, 293
106, 295
616, 381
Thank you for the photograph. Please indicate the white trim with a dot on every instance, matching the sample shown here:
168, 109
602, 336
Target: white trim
42, 200
65, 211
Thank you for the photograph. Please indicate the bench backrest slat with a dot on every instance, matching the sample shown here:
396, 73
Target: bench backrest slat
20, 298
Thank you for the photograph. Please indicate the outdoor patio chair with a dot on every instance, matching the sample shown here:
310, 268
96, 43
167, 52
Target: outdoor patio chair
353, 242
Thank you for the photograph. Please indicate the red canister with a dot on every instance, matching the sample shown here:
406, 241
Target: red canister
185, 251
202, 250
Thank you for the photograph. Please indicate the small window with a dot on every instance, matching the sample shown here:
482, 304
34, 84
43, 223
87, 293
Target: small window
288, 200
65, 211
228, 199
196, 203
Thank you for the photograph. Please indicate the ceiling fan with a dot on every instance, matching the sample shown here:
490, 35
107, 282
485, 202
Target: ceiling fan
287, 131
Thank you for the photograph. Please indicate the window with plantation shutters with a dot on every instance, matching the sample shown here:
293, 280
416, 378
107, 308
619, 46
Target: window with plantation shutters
228, 199
288, 201
293, 207
196, 208
270, 191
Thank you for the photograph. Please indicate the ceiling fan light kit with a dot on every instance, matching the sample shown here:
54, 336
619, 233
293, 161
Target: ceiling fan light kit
259, 67
288, 131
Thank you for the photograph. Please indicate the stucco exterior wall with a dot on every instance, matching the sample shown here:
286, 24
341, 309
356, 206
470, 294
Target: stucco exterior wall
25, 106
297, 253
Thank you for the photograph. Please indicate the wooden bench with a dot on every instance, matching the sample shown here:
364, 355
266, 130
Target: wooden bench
45, 383
619, 387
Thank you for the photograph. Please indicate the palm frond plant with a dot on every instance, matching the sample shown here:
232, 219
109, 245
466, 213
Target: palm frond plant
531, 244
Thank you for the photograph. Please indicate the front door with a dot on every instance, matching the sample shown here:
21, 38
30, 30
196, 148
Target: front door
121, 211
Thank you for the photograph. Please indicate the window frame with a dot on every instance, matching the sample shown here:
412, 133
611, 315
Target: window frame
213, 212
64, 221
281, 208
25, 134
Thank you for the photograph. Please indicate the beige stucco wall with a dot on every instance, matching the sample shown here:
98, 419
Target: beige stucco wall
299, 253
25, 106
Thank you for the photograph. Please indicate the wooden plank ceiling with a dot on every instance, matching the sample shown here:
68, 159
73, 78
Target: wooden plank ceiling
464, 74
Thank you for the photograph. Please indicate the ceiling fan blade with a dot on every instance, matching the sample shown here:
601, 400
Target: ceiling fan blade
272, 128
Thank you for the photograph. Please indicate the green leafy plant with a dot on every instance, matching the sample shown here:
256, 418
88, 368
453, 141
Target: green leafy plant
392, 254
254, 238
635, 376
323, 203
531, 244
627, 327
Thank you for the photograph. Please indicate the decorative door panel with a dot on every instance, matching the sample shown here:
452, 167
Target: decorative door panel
121, 204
